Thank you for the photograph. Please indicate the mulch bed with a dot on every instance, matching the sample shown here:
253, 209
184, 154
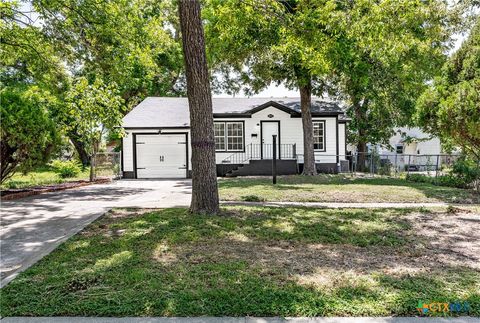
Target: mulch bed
13, 194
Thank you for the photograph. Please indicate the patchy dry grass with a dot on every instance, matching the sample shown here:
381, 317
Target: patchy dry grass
340, 188
257, 261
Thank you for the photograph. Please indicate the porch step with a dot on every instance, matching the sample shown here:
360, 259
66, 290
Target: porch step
263, 167
234, 172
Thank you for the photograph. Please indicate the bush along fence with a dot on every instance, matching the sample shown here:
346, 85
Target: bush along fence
106, 165
440, 169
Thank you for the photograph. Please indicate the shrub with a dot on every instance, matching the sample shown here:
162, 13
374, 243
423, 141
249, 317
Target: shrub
66, 169
28, 134
464, 174
450, 180
252, 198
443, 180
467, 170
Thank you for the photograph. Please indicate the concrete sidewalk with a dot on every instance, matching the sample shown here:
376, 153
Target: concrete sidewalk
463, 319
339, 205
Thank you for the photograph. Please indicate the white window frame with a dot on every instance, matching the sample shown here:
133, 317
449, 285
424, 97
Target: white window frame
220, 136
226, 136
322, 136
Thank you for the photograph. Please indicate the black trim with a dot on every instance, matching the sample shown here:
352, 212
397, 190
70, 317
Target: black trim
121, 155
159, 134
338, 145
128, 175
156, 128
279, 136
226, 139
324, 136
248, 114
134, 141
320, 114
232, 115
275, 105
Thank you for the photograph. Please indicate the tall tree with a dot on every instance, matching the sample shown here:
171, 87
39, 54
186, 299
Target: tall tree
204, 178
265, 41
382, 57
28, 135
92, 109
450, 107
32, 77
133, 43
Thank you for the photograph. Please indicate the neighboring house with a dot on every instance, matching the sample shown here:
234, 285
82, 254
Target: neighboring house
158, 144
412, 149
412, 141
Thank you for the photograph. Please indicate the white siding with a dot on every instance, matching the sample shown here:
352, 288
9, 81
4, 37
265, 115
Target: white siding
330, 153
127, 154
341, 141
290, 133
432, 146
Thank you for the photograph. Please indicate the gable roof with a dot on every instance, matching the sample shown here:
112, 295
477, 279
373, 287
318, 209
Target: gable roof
164, 112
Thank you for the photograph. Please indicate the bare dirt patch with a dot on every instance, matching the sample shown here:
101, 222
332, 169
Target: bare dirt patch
436, 241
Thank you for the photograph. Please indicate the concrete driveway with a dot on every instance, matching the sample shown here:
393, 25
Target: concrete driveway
34, 226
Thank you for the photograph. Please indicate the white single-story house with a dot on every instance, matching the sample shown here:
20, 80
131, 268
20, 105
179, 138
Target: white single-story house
157, 137
412, 141
410, 148
415, 150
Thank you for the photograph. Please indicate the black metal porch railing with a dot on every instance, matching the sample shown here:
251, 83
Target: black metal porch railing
262, 151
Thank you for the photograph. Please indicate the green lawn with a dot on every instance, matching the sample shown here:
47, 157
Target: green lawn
340, 188
39, 177
255, 261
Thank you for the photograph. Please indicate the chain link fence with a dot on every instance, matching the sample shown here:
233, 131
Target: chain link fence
397, 164
108, 165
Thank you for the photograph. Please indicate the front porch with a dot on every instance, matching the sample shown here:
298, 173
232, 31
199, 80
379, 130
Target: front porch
257, 160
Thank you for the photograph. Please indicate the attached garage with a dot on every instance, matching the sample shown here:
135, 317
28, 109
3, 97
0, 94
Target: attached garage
160, 155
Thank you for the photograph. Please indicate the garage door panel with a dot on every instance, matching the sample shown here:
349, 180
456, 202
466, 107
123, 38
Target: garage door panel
161, 156
158, 156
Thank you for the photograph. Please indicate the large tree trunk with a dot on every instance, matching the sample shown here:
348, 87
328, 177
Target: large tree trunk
362, 156
308, 150
204, 175
362, 139
80, 148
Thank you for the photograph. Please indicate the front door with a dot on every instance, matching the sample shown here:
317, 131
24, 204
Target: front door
270, 128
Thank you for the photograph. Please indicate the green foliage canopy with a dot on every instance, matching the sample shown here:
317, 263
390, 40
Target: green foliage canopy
254, 43
132, 43
91, 109
384, 53
450, 107
28, 135
375, 56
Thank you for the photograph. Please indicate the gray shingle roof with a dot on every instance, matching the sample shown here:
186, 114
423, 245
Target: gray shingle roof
173, 112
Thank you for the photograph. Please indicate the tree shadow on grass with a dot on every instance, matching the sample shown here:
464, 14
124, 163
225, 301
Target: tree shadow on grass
250, 261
